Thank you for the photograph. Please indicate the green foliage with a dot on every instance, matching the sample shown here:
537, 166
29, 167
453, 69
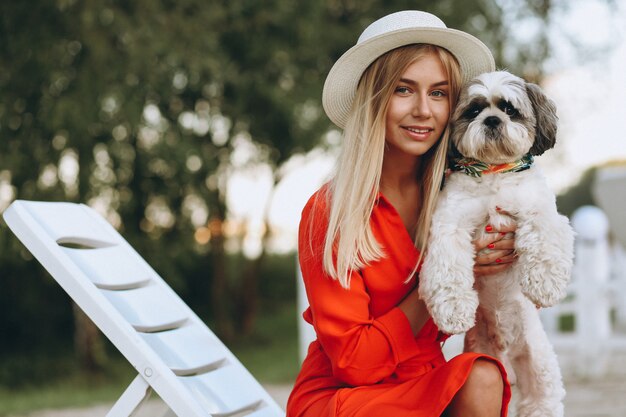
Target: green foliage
271, 352
577, 195
34, 310
136, 108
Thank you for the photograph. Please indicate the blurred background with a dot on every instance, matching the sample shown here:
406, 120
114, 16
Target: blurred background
196, 129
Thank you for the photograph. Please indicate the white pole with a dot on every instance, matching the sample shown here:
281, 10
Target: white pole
593, 322
306, 334
618, 284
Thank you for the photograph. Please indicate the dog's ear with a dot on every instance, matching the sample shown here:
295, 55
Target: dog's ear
547, 120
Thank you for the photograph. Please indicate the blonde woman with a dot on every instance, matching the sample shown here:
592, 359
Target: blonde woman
377, 352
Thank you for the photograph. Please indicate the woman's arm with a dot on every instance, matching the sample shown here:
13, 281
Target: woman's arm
362, 349
415, 310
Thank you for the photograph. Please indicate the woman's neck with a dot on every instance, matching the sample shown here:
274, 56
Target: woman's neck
399, 172
400, 184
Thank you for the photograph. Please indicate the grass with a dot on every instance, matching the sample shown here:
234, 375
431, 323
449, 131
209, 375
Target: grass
270, 354
74, 390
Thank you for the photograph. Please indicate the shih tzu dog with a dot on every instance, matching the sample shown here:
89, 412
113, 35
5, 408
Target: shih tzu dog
501, 122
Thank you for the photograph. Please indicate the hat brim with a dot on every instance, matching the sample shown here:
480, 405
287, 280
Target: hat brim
341, 83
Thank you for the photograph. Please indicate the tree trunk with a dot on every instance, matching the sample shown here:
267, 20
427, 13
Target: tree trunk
219, 286
88, 343
249, 295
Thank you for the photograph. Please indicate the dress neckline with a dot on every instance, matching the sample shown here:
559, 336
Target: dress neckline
397, 219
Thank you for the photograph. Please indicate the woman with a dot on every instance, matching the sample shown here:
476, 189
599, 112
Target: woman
377, 352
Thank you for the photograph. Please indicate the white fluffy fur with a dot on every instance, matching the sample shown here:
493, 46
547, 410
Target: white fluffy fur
498, 312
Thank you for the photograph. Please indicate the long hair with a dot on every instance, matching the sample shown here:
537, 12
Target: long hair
350, 244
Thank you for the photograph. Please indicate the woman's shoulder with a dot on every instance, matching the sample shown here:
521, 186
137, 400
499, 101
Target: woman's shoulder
315, 217
318, 204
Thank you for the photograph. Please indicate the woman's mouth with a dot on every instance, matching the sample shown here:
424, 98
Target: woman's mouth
418, 132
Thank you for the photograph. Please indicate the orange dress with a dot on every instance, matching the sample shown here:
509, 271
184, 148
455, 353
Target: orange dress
366, 361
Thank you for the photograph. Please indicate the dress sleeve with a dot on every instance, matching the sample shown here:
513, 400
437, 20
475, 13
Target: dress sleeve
362, 349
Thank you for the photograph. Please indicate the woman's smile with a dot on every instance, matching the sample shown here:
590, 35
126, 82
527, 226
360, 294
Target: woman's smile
418, 132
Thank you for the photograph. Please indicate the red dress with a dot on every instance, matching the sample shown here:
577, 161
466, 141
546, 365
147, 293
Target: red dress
366, 361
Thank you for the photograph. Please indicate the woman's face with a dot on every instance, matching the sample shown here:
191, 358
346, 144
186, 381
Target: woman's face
419, 108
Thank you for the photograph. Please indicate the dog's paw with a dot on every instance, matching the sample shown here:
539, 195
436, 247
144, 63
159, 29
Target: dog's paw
545, 285
541, 408
457, 313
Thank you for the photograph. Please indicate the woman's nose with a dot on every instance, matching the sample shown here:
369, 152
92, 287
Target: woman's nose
421, 106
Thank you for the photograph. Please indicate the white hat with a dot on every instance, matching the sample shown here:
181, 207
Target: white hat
390, 32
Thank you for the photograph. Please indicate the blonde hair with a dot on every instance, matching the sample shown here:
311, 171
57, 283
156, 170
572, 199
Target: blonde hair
353, 190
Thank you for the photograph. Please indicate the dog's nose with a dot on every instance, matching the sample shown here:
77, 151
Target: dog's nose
492, 121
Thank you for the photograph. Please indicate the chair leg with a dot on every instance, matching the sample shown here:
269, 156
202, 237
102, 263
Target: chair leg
131, 400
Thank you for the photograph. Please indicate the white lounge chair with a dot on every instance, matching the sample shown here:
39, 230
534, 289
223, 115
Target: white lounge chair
174, 352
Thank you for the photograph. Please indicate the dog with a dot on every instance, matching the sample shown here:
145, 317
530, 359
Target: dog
499, 125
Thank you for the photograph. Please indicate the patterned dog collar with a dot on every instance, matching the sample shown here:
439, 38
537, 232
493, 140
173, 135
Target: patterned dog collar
475, 168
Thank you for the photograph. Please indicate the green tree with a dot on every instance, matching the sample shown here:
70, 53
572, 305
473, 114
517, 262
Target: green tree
136, 108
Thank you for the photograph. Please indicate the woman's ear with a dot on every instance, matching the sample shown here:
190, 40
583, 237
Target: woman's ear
547, 120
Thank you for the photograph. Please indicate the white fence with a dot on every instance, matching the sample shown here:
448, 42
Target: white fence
596, 303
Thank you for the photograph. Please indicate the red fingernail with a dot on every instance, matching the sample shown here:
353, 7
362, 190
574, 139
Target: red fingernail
498, 208
502, 233
488, 228
491, 245
498, 260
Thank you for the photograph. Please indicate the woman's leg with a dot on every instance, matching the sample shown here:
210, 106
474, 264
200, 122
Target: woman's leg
481, 395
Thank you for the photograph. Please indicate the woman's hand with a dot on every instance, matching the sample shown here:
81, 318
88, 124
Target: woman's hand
495, 250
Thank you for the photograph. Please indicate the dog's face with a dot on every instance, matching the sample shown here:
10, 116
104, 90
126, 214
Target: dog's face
500, 118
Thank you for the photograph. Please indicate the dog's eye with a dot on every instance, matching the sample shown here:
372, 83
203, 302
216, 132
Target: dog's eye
508, 108
472, 112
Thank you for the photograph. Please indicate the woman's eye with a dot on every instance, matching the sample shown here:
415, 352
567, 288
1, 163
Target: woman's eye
403, 90
438, 93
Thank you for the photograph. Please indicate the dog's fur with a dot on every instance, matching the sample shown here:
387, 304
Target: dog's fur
498, 312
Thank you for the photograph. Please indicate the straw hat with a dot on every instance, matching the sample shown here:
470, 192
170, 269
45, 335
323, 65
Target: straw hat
390, 32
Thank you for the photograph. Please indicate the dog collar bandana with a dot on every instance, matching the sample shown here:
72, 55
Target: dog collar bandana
475, 168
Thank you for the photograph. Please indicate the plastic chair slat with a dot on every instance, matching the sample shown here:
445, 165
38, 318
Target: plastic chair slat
188, 349
112, 268
224, 391
148, 309
72, 223
263, 412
